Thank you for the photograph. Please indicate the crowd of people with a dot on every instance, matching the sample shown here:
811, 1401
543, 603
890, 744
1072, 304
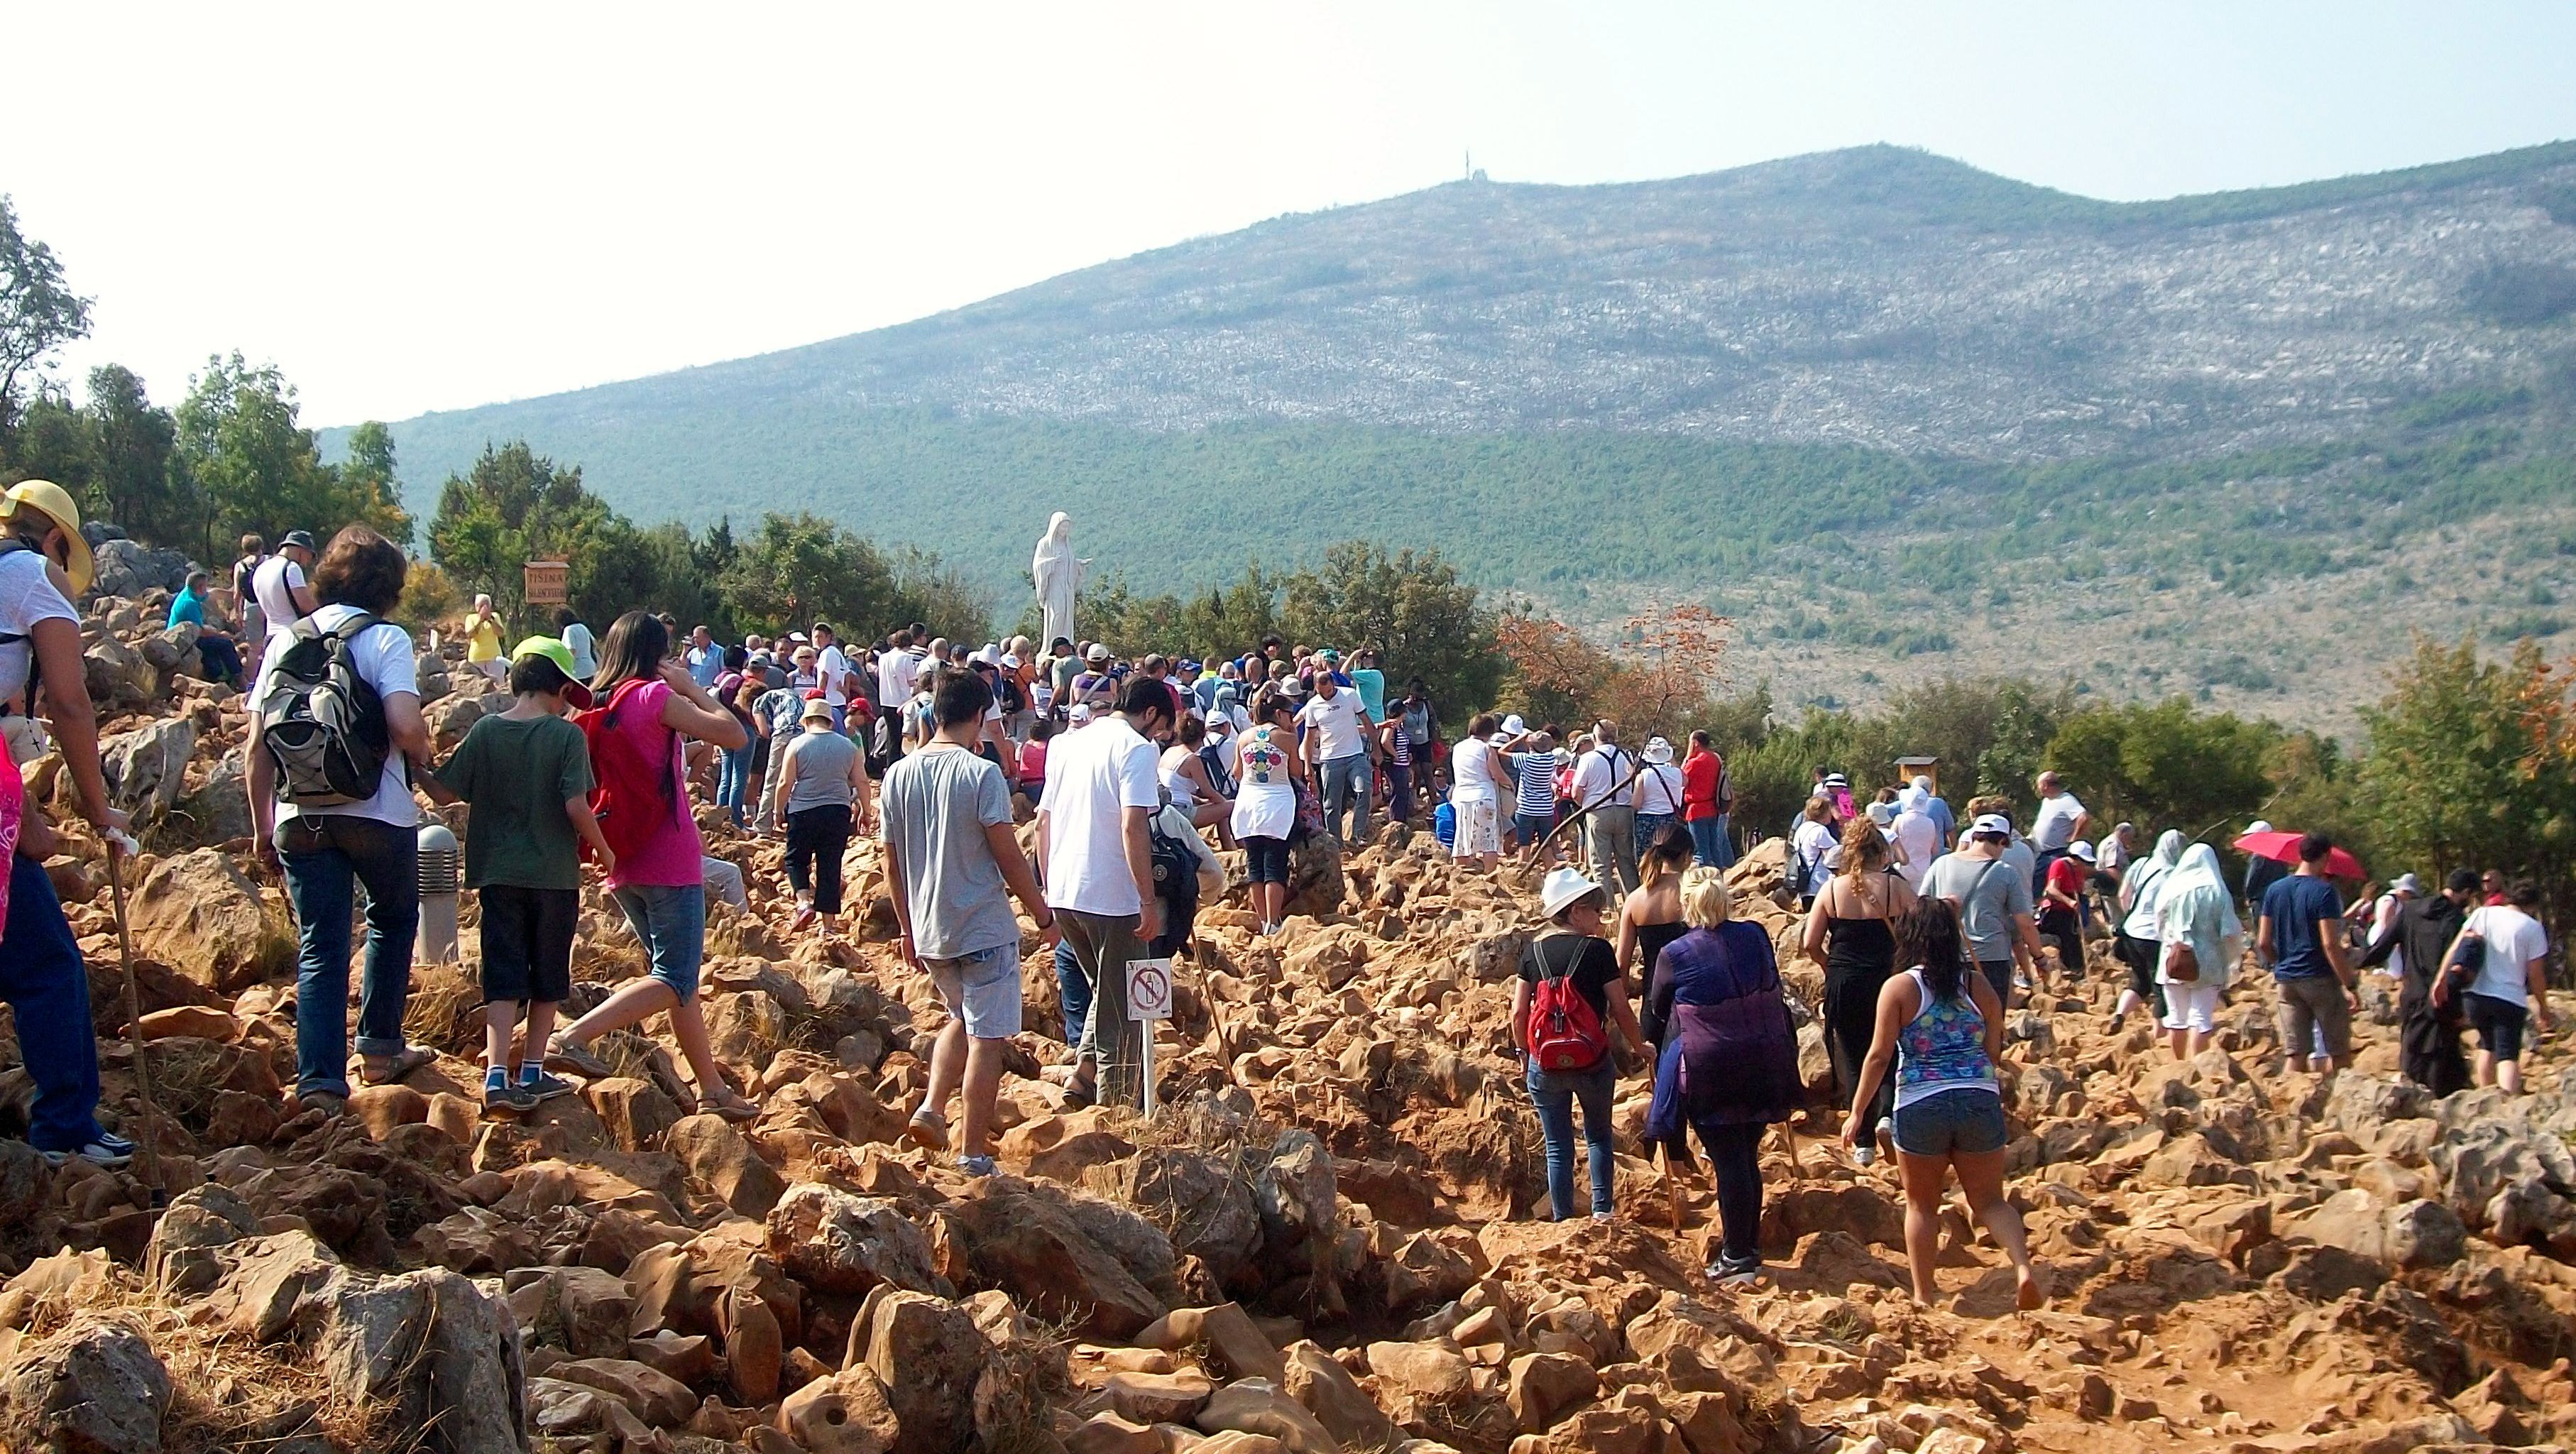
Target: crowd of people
1928, 926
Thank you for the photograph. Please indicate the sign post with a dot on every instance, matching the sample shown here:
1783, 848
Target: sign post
545, 582
1149, 999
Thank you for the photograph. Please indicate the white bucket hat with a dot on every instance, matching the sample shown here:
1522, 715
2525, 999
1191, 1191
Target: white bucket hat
1564, 886
1658, 751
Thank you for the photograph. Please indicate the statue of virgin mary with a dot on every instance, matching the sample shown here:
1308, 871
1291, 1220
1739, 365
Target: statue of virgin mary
1058, 575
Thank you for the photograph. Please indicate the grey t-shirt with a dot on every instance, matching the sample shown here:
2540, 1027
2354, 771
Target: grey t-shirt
936, 805
1989, 892
822, 771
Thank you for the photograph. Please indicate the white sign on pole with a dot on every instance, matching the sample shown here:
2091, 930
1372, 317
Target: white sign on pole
1149, 989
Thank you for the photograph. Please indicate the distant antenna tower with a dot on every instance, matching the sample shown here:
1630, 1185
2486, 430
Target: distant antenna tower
1468, 171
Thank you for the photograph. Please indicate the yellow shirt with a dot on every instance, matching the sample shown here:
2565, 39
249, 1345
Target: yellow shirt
483, 642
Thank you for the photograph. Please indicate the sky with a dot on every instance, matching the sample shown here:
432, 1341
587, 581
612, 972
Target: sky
422, 207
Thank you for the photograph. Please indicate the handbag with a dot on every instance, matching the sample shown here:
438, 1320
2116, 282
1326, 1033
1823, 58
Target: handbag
2181, 965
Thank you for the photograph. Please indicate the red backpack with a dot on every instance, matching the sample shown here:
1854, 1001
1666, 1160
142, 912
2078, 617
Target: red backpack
634, 796
1562, 1032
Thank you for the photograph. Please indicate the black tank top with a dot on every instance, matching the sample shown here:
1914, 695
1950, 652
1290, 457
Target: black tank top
1860, 945
1651, 939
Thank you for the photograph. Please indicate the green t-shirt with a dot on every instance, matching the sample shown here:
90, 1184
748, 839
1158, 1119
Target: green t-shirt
518, 775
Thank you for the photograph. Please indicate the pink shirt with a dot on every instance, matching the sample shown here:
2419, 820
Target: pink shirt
672, 856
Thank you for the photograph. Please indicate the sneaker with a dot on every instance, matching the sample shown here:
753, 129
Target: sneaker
109, 1150
510, 1100
1864, 1155
544, 1088
1727, 1272
977, 1165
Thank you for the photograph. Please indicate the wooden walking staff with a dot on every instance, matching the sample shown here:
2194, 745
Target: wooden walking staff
146, 1149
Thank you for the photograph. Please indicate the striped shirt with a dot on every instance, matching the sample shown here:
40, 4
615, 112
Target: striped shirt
1538, 784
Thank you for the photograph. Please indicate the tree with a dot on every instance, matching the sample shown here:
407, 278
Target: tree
2165, 765
1424, 621
2468, 766
261, 470
801, 568
37, 315
138, 481
516, 505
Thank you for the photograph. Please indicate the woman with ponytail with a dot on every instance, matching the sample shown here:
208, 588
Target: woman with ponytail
1944, 1030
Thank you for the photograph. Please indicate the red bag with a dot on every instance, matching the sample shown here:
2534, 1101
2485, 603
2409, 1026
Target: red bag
633, 796
1562, 1031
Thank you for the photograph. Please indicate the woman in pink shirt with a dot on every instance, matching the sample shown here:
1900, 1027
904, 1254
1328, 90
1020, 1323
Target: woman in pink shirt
653, 709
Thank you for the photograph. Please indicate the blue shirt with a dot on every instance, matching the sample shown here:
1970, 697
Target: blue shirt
706, 663
2294, 905
187, 606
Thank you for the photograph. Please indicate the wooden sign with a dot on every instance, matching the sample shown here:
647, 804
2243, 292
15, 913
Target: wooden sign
546, 581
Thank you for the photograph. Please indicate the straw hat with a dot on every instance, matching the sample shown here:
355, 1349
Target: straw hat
44, 497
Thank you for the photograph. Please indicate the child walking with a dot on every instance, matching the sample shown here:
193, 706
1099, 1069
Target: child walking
527, 774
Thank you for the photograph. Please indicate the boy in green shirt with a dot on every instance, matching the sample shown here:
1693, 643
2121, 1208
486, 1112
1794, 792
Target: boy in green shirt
527, 774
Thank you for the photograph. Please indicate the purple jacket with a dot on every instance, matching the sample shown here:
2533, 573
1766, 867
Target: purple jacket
1729, 1054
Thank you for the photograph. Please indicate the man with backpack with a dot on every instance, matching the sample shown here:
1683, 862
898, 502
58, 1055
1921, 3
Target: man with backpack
1095, 849
1605, 787
279, 588
335, 722
1708, 797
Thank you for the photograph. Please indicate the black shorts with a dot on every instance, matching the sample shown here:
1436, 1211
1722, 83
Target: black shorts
1265, 860
527, 943
2140, 956
2498, 1023
759, 756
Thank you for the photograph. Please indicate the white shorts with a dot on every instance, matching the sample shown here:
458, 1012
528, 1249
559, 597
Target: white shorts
1480, 829
2192, 1006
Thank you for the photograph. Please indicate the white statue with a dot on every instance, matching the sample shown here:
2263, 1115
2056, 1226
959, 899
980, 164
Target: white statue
1058, 576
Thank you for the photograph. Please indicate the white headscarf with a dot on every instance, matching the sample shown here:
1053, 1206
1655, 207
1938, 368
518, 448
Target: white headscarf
1915, 799
2195, 908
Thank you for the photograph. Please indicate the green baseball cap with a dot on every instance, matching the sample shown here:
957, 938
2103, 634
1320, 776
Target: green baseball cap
553, 649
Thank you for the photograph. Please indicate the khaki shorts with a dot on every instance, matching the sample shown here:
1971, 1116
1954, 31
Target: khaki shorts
2307, 1004
983, 990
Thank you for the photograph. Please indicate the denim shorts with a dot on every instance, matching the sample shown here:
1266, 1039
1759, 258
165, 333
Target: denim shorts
1968, 1121
983, 990
671, 920
1265, 860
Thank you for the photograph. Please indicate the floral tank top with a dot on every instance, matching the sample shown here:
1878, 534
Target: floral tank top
1943, 1048
1264, 765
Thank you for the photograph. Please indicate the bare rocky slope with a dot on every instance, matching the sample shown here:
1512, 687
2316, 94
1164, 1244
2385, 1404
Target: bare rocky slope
1323, 1244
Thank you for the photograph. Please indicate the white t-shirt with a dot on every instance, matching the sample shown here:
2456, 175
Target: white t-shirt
1598, 776
275, 584
1340, 725
1920, 837
1092, 777
2382, 915
2514, 939
1659, 790
895, 673
384, 658
1818, 852
585, 651
831, 667
27, 596
1471, 771
2054, 828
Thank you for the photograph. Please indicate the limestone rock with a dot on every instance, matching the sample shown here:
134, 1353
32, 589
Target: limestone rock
928, 1354
837, 1242
715, 1153
97, 1388
199, 913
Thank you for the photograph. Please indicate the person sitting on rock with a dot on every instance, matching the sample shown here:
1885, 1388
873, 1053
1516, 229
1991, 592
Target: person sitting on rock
215, 650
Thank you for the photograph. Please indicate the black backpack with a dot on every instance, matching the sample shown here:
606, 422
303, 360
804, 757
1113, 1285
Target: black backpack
321, 722
1176, 883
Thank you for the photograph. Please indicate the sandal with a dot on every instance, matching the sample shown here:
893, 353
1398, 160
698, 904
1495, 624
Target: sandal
562, 1054
413, 1058
730, 1106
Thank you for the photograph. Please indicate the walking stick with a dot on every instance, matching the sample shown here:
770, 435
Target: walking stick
147, 1152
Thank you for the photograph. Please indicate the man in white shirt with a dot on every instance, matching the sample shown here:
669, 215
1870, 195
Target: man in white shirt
1103, 784
2060, 821
1605, 787
1336, 742
278, 585
832, 674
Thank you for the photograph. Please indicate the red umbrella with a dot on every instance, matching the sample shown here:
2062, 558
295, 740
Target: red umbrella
2284, 848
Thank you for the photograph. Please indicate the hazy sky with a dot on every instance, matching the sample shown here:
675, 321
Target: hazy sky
422, 207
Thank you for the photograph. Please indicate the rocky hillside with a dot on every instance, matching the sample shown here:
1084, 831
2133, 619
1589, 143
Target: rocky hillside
1324, 1244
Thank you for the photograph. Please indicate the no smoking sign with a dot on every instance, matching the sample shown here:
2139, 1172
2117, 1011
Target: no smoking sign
1149, 989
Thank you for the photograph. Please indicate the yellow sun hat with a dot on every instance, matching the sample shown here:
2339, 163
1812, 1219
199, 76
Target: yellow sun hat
44, 497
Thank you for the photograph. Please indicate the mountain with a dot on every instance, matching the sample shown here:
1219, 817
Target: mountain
1899, 415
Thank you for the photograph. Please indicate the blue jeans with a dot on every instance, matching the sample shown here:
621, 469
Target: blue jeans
1073, 990
1709, 842
1347, 783
1555, 1092
1399, 793
45, 983
326, 858
671, 920
733, 780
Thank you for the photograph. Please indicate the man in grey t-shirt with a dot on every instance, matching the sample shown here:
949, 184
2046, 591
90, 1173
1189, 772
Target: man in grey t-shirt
1993, 898
953, 864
